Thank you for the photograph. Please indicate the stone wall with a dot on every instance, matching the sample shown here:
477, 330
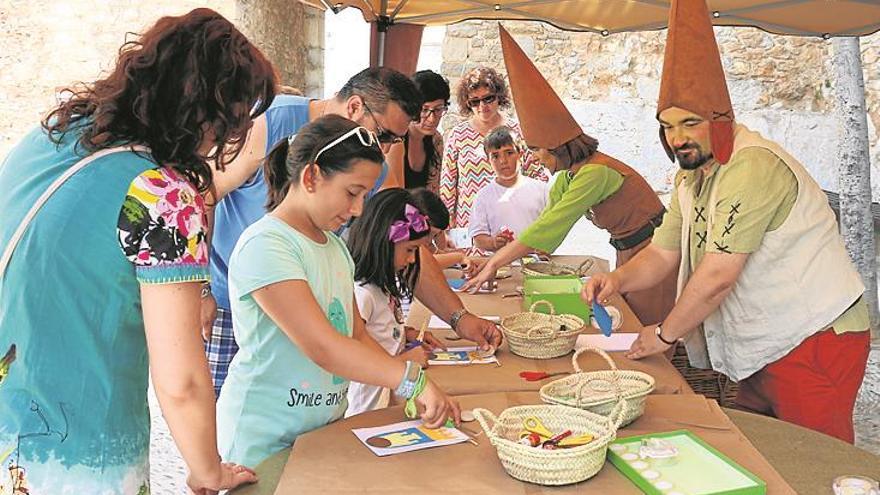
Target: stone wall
291, 35
45, 46
781, 86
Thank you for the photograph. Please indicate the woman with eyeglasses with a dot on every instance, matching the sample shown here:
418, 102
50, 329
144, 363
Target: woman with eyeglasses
296, 321
417, 159
480, 95
103, 277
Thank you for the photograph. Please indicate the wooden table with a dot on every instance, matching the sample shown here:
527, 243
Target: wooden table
332, 460
461, 380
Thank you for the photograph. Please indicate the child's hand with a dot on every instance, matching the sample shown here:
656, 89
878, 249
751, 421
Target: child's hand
473, 266
501, 240
429, 342
432, 342
436, 407
417, 354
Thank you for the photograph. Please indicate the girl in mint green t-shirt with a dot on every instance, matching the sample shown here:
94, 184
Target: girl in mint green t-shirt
291, 283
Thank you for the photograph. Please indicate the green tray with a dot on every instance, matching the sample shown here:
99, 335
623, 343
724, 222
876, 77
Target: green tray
562, 291
699, 469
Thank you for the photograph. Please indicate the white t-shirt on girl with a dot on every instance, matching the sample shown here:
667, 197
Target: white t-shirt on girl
384, 321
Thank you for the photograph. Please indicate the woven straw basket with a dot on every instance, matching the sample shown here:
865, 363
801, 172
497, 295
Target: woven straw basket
541, 268
538, 335
551, 467
597, 391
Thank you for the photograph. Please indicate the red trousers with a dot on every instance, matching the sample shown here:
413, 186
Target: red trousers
815, 385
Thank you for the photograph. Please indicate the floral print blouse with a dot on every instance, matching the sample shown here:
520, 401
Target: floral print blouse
162, 224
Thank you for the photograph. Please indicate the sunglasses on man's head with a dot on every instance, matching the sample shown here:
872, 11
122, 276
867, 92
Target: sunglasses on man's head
475, 102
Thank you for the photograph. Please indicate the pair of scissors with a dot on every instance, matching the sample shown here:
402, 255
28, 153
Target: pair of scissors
534, 425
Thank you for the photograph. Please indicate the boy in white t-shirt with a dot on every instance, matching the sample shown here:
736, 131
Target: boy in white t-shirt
506, 206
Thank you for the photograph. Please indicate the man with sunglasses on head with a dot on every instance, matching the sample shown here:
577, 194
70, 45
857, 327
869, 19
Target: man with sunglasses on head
380, 99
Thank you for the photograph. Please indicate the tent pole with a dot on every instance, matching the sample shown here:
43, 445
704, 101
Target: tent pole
854, 170
381, 61
382, 25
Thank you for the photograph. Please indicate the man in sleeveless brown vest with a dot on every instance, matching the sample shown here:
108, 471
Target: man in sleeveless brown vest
610, 193
768, 295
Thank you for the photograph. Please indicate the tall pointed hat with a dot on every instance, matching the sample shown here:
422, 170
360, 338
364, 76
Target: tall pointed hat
544, 120
693, 78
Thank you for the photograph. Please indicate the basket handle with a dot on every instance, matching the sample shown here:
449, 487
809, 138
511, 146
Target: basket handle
548, 328
542, 301
483, 416
586, 265
618, 414
600, 352
562, 268
615, 382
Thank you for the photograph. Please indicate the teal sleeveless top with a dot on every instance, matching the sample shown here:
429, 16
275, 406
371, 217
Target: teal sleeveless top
73, 359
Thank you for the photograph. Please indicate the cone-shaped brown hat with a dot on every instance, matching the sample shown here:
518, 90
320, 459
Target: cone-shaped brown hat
693, 78
544, 120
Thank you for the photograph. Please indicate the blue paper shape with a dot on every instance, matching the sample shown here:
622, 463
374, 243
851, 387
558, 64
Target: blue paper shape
602, 318
456, 283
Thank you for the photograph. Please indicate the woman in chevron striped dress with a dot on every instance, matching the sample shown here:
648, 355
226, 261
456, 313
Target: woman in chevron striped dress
481, 94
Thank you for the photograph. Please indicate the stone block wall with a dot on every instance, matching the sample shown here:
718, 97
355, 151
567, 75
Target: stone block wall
781, 86
291, 35
45, 46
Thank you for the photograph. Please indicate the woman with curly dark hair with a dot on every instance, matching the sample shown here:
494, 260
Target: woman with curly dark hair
103, 240
480, 94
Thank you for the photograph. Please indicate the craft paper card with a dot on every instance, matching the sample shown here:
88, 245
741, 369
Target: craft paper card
455, 283
613, 343
407, 436
436, 322
453, 356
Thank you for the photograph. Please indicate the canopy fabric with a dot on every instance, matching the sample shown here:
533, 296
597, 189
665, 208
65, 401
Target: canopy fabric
794, 17
398, 53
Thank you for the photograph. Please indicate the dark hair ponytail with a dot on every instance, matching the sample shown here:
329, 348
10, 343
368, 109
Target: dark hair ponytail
285, 162
276, 173
373, 252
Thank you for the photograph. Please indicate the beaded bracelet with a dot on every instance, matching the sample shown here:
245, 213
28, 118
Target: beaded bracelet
408, 383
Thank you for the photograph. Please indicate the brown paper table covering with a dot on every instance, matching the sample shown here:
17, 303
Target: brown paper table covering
809, 461
476, 379
332, 460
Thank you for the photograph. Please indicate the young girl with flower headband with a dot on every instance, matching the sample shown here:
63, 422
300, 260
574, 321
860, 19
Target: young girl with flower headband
386, 271
294, 314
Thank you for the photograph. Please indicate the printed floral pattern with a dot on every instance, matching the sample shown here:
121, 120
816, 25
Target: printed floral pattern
162, 221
